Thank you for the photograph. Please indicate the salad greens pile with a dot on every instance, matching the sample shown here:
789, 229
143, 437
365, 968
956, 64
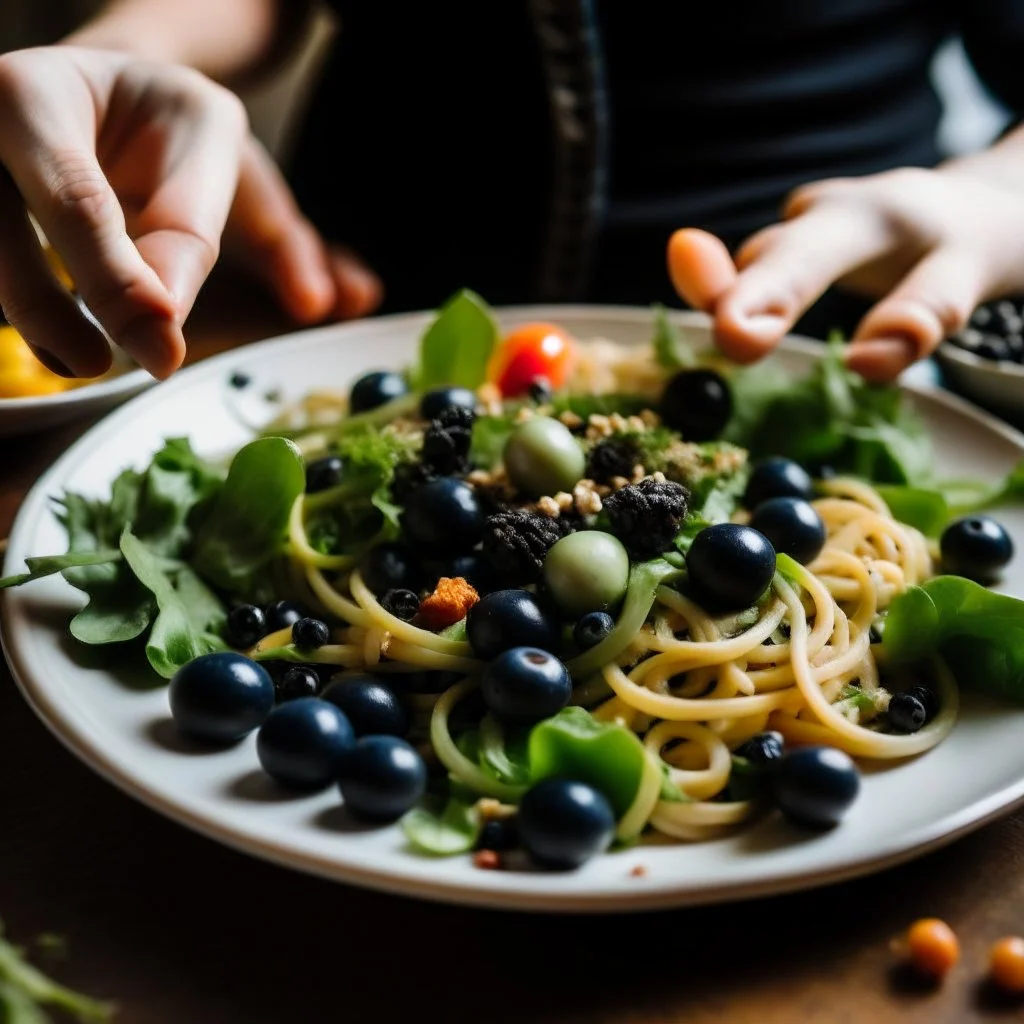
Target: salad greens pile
25, 990
176, 543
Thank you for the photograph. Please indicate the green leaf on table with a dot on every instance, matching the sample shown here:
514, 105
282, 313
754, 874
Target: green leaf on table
179, 633
670, 351
24, 989
247, 523
456, 347
443, 831
980, 633
605, 755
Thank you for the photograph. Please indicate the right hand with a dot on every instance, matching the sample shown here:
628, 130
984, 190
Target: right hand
134, 170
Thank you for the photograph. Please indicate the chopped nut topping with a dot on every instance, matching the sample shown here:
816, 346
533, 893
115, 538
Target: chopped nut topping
570, 419
564, 501
523, 414
549, 507
490, 809
649, 418
586, 498
638, 473
618, 482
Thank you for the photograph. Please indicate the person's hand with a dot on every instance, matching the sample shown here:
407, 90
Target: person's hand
132, 170
931, 245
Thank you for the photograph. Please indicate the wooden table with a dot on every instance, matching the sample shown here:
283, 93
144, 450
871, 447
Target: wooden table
181, 930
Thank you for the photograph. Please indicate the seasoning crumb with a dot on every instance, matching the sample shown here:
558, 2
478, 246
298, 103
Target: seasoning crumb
489, 860
490, 809
564, 501
638, 871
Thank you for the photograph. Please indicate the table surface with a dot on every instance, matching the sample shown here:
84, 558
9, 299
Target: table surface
177, 928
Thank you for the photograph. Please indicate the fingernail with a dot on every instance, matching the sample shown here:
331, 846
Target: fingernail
51, 362
881, 359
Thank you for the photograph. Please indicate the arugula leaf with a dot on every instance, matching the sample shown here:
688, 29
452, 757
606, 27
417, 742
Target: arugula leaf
47, 565
453, 829
670, 793
920, 507
174, 639
457, 346
248, 520
488, 440
504, 753
587, 405
606, 755
980, 633
670, 350
24, 988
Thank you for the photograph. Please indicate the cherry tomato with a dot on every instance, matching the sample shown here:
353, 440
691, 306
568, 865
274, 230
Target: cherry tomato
933, 947
1006, 964
532, 351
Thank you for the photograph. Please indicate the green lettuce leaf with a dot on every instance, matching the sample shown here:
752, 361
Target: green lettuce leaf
445, 831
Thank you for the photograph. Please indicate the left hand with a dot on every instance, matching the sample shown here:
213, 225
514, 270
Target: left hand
931, 245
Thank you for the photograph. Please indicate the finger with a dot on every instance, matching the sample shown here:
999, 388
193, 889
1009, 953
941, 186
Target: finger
786, 269
57, 174
932, 301
178, 228
268, 234
37, 304
700, 267
359, 291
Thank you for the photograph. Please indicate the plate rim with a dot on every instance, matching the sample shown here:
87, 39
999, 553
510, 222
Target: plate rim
925, 838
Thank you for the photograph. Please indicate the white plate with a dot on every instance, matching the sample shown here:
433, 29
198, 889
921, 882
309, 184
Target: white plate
40, 412
122, 730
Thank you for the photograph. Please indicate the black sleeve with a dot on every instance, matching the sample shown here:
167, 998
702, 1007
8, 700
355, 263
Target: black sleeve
993, 36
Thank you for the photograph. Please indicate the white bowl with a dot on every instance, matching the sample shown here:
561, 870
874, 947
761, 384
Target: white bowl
38, 412
996, 386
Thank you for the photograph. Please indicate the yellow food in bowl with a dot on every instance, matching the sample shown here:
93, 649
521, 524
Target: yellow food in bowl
22, 375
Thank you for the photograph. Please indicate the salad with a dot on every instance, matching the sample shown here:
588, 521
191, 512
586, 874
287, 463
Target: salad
551, 594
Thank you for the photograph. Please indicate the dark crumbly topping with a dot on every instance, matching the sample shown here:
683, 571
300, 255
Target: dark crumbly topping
646, 516
612, 457
408, 476
517, 542
446, 441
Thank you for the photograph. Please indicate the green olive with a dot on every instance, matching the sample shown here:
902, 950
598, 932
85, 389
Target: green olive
587, 572
542, 457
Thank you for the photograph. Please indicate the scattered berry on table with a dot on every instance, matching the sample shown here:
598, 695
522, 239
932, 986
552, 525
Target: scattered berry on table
646, 516
932, 947
488, 860
517, 542
403, 604
1006, 964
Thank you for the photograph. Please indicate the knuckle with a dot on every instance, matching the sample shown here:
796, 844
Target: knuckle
952, 312
80, 195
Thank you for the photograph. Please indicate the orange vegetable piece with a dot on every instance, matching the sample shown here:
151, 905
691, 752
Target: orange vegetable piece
451, 599
1006, 964
531, 351
933, 947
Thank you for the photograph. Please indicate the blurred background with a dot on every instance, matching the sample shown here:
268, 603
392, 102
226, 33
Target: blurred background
972, 117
